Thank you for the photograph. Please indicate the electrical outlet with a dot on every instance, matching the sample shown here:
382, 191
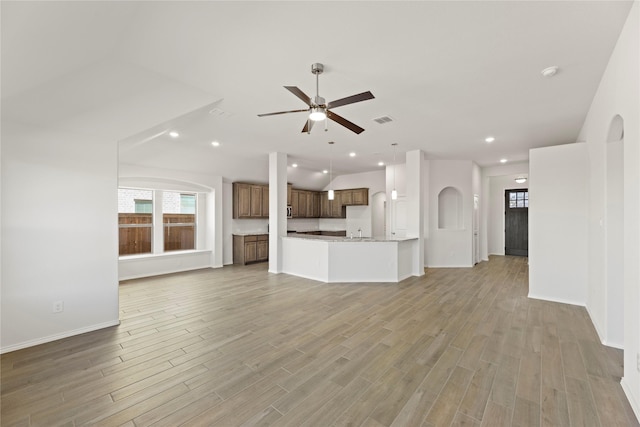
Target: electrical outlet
58, 306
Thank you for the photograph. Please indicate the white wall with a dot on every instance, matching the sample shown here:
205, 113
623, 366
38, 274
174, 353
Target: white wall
614, 236
59, 234
617, 94
448, 247
558, 200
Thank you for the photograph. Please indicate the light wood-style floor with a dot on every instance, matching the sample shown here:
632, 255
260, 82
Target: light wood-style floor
240, 346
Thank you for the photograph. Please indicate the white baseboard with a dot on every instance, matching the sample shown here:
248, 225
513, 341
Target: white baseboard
163, 272
448, 266
630, 397
59, 336
602, 336
561, 301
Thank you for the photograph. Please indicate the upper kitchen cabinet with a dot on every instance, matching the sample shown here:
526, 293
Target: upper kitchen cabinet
305, 204
302, 204
332, 208
265, 201
294, 202
355, 197
250, 201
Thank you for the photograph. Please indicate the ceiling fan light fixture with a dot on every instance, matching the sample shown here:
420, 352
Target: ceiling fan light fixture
317, 114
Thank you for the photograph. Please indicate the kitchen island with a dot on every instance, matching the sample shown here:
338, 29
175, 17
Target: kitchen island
342, 259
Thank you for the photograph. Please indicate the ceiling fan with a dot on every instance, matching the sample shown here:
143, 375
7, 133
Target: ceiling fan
320, 110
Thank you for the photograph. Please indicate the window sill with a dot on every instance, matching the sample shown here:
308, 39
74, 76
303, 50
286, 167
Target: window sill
163, 254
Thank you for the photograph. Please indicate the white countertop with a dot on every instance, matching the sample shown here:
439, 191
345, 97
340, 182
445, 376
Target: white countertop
348, 239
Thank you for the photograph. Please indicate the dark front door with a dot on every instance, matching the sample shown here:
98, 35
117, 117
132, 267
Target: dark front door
516, 222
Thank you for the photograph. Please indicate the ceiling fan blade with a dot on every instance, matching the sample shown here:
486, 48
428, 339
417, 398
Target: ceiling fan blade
282, 112
300, 94
344, 122
350, 99
307, 126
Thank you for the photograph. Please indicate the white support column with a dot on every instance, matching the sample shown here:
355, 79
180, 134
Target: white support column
277, 209
158, 226
415, 204
388, 177
218, 235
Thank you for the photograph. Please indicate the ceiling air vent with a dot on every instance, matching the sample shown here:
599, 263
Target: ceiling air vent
382, 120
220, 113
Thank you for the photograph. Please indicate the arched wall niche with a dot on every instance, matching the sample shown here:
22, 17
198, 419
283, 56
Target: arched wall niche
450, 209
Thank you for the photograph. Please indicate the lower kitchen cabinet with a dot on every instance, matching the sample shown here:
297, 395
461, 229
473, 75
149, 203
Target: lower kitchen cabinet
250, 248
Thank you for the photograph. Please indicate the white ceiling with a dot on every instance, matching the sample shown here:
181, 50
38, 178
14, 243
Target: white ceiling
448, 73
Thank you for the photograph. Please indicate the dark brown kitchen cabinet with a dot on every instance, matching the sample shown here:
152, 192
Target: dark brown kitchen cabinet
346, 197
338, 210
262, 247
302, 204
241, 200
294, 203
354, 197
250, 201
332, 208
265, 201
317, 204
250, 248
360, 197
256, 201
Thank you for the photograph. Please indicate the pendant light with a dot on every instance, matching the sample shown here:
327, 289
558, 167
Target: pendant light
331, 194
394, 193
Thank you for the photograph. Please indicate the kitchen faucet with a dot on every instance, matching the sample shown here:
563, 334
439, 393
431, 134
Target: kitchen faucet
360, 233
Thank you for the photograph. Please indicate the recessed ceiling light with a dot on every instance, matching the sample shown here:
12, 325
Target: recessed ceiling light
549, 71
325, 171
380, 163
352, 154
503, 160
174, 134
490, 139
295, 165
215, 143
